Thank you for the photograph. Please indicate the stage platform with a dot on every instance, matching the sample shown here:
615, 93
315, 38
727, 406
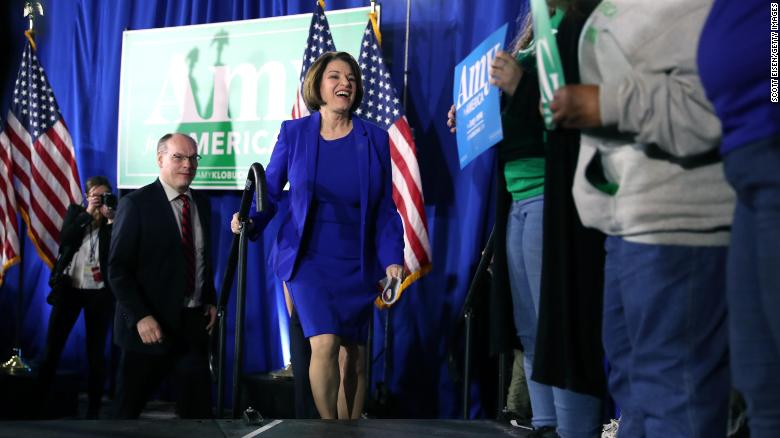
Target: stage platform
270, 429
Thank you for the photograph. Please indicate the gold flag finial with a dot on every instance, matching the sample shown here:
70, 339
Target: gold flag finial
374, 17
32, 9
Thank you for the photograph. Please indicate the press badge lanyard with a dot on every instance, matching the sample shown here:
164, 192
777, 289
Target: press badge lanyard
93, 243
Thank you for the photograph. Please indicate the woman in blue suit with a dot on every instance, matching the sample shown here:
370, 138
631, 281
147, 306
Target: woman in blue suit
342, 232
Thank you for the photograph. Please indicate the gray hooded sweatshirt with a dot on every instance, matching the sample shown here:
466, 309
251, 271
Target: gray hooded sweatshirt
652, 174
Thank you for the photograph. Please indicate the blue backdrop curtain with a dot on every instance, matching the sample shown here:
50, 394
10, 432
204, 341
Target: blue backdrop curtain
79, 44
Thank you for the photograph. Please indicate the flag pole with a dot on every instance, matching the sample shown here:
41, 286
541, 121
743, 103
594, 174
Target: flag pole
406, 49
15, 364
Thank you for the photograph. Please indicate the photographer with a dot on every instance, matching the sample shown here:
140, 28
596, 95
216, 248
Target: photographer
78, 282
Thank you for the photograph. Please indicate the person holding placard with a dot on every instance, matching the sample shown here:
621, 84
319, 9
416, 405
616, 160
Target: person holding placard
650, 177
568, 396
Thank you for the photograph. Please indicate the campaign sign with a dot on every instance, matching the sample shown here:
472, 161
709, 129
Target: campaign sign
227, 85
548, 60
477, 103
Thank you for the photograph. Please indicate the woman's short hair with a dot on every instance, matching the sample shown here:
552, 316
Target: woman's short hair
97, 181
313, 80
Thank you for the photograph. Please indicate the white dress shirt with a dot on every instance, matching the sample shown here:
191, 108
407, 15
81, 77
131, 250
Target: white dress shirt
197, 231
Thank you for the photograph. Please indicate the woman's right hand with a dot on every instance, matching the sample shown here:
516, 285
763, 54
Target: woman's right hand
505, 72
93, 204
451, 119
235, 224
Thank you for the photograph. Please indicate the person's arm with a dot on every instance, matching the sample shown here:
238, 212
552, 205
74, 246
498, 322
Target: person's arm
389, 232
123, 261
71, 235
663, 105
275, 179
76, 220
660, 100
520, 117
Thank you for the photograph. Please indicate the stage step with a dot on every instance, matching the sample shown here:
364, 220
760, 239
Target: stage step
272, 398
21, 399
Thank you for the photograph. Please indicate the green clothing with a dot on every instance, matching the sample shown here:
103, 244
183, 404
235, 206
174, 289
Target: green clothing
524, 178
522, 151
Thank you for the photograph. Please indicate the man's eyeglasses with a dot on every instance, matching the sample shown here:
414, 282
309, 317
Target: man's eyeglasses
178, 158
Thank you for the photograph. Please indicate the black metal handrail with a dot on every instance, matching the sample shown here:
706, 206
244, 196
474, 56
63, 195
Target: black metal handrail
255, 183
467, 312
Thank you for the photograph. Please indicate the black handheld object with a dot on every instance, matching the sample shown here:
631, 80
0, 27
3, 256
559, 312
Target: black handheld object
108, 199
390, 292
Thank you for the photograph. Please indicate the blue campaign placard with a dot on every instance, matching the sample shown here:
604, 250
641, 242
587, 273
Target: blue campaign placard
477, 103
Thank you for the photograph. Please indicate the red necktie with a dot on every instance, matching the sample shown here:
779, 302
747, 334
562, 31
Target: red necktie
188, 245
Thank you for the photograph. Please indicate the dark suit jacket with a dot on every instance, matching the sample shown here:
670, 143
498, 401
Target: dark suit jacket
294, 159
72, 234
146, 266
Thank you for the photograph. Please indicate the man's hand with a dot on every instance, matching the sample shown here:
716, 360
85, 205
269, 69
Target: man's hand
149, 330
505, 72
211, 312
576, 106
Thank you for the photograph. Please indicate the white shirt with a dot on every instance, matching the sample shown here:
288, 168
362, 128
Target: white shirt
86, 261
197, 231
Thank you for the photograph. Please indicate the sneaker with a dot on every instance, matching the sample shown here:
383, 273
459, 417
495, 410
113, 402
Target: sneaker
514, 419
544, 432
610, 430
283, 373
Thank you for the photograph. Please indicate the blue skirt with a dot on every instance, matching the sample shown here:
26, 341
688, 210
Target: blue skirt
328, 289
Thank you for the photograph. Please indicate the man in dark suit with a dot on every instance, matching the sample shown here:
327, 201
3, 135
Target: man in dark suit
160, 272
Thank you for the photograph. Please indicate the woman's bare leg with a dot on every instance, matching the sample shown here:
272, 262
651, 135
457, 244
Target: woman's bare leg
352, 389
324, 374
287, 299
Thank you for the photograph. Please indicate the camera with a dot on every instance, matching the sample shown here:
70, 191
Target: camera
108, 199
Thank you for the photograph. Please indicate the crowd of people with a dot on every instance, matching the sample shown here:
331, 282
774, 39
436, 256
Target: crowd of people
636, 250
677, 286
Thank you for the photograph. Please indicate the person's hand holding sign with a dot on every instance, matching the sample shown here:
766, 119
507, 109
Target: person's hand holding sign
576, 106
505, 72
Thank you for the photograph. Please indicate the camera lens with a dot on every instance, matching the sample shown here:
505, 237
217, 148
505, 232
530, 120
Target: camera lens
108, 199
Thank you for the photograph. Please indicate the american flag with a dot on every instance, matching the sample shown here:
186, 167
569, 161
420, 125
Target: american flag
319, 42
9, 234
44, 163
381, 106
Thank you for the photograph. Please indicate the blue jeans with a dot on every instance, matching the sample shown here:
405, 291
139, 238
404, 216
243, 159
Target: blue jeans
579, 415
754, 282
575, 414
664, 333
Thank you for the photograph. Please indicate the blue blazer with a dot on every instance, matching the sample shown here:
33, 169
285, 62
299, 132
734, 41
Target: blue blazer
294, 159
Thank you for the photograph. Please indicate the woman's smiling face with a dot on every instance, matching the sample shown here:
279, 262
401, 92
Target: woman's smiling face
337, 88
